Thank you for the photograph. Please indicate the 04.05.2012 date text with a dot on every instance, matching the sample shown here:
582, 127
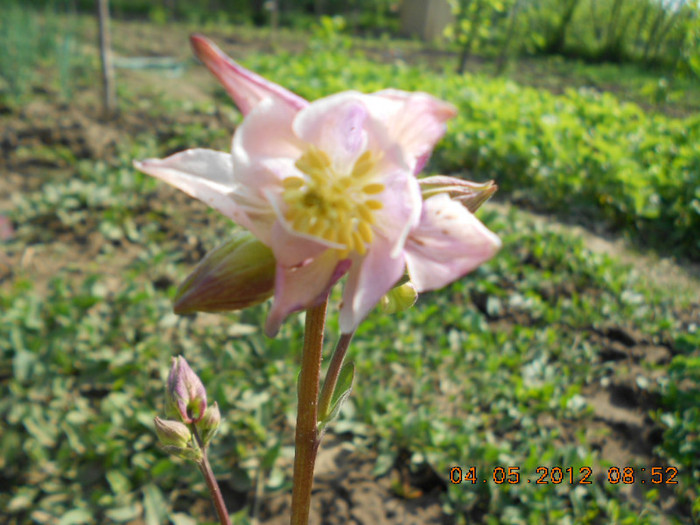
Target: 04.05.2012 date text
512, 475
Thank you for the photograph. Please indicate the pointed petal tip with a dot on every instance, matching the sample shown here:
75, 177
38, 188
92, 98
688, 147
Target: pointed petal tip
140, 164
145, 164
247, 89
197, 39
204, 48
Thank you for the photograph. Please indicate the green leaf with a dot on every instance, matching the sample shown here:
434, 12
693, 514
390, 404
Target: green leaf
178, 518
75, 516
126, 513
118, 482
23, 499
155, 506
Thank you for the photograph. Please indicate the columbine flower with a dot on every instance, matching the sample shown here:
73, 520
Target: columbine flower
330, 187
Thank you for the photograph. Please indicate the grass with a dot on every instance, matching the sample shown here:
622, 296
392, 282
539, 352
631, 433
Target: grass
39, 50
499, 369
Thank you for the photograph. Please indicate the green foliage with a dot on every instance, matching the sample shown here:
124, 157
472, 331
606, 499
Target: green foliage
33, 39
690, 49
683, 417
584, 152
645, 31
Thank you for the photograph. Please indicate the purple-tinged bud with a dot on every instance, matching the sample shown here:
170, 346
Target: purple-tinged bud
470, 194
186, 394
399, 298
209, 424
172, 433
237, 274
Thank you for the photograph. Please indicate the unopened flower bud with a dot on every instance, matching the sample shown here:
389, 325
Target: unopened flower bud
209, 424
237, 274
399, 298
186, 395
172, 433
470, 194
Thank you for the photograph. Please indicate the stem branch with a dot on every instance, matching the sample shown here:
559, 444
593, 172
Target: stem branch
212, 485
332, 374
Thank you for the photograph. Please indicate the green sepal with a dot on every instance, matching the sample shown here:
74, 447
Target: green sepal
188, 453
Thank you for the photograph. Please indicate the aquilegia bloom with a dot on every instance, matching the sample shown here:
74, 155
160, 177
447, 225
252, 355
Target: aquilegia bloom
330, 187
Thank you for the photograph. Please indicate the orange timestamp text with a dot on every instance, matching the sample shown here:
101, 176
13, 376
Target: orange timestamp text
512, 475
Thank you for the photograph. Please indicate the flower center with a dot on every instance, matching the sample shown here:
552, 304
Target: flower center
337, 207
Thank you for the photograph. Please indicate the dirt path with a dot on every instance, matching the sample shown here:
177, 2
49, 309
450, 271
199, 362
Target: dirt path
681, 278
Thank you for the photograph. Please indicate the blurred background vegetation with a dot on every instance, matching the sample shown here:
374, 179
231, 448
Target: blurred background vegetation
650, 32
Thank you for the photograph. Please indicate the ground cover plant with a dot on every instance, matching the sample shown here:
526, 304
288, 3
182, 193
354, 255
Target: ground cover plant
549, 355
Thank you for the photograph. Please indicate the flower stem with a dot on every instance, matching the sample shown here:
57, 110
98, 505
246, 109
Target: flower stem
212, 485
306, 441
332, 374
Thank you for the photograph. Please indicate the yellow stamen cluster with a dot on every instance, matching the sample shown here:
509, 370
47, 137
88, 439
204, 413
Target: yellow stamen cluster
337, 207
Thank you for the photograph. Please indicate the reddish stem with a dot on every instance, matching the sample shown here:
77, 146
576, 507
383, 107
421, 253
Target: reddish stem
212, 485
306, 441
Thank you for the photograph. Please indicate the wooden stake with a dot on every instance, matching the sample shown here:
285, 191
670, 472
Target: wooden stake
109, 95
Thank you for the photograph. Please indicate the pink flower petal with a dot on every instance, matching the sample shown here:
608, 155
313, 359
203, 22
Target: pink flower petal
246, 88
290, 248
266, 133
204, 174
370, 278
416, 121
335, 125
448, 243
402, 208
302, 287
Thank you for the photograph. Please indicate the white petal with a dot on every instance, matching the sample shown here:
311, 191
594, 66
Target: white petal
402, 208
448, 243
417, 121
335, 125
290, 248
369, 279
302, 287
264, 151
266, 133
204, 174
